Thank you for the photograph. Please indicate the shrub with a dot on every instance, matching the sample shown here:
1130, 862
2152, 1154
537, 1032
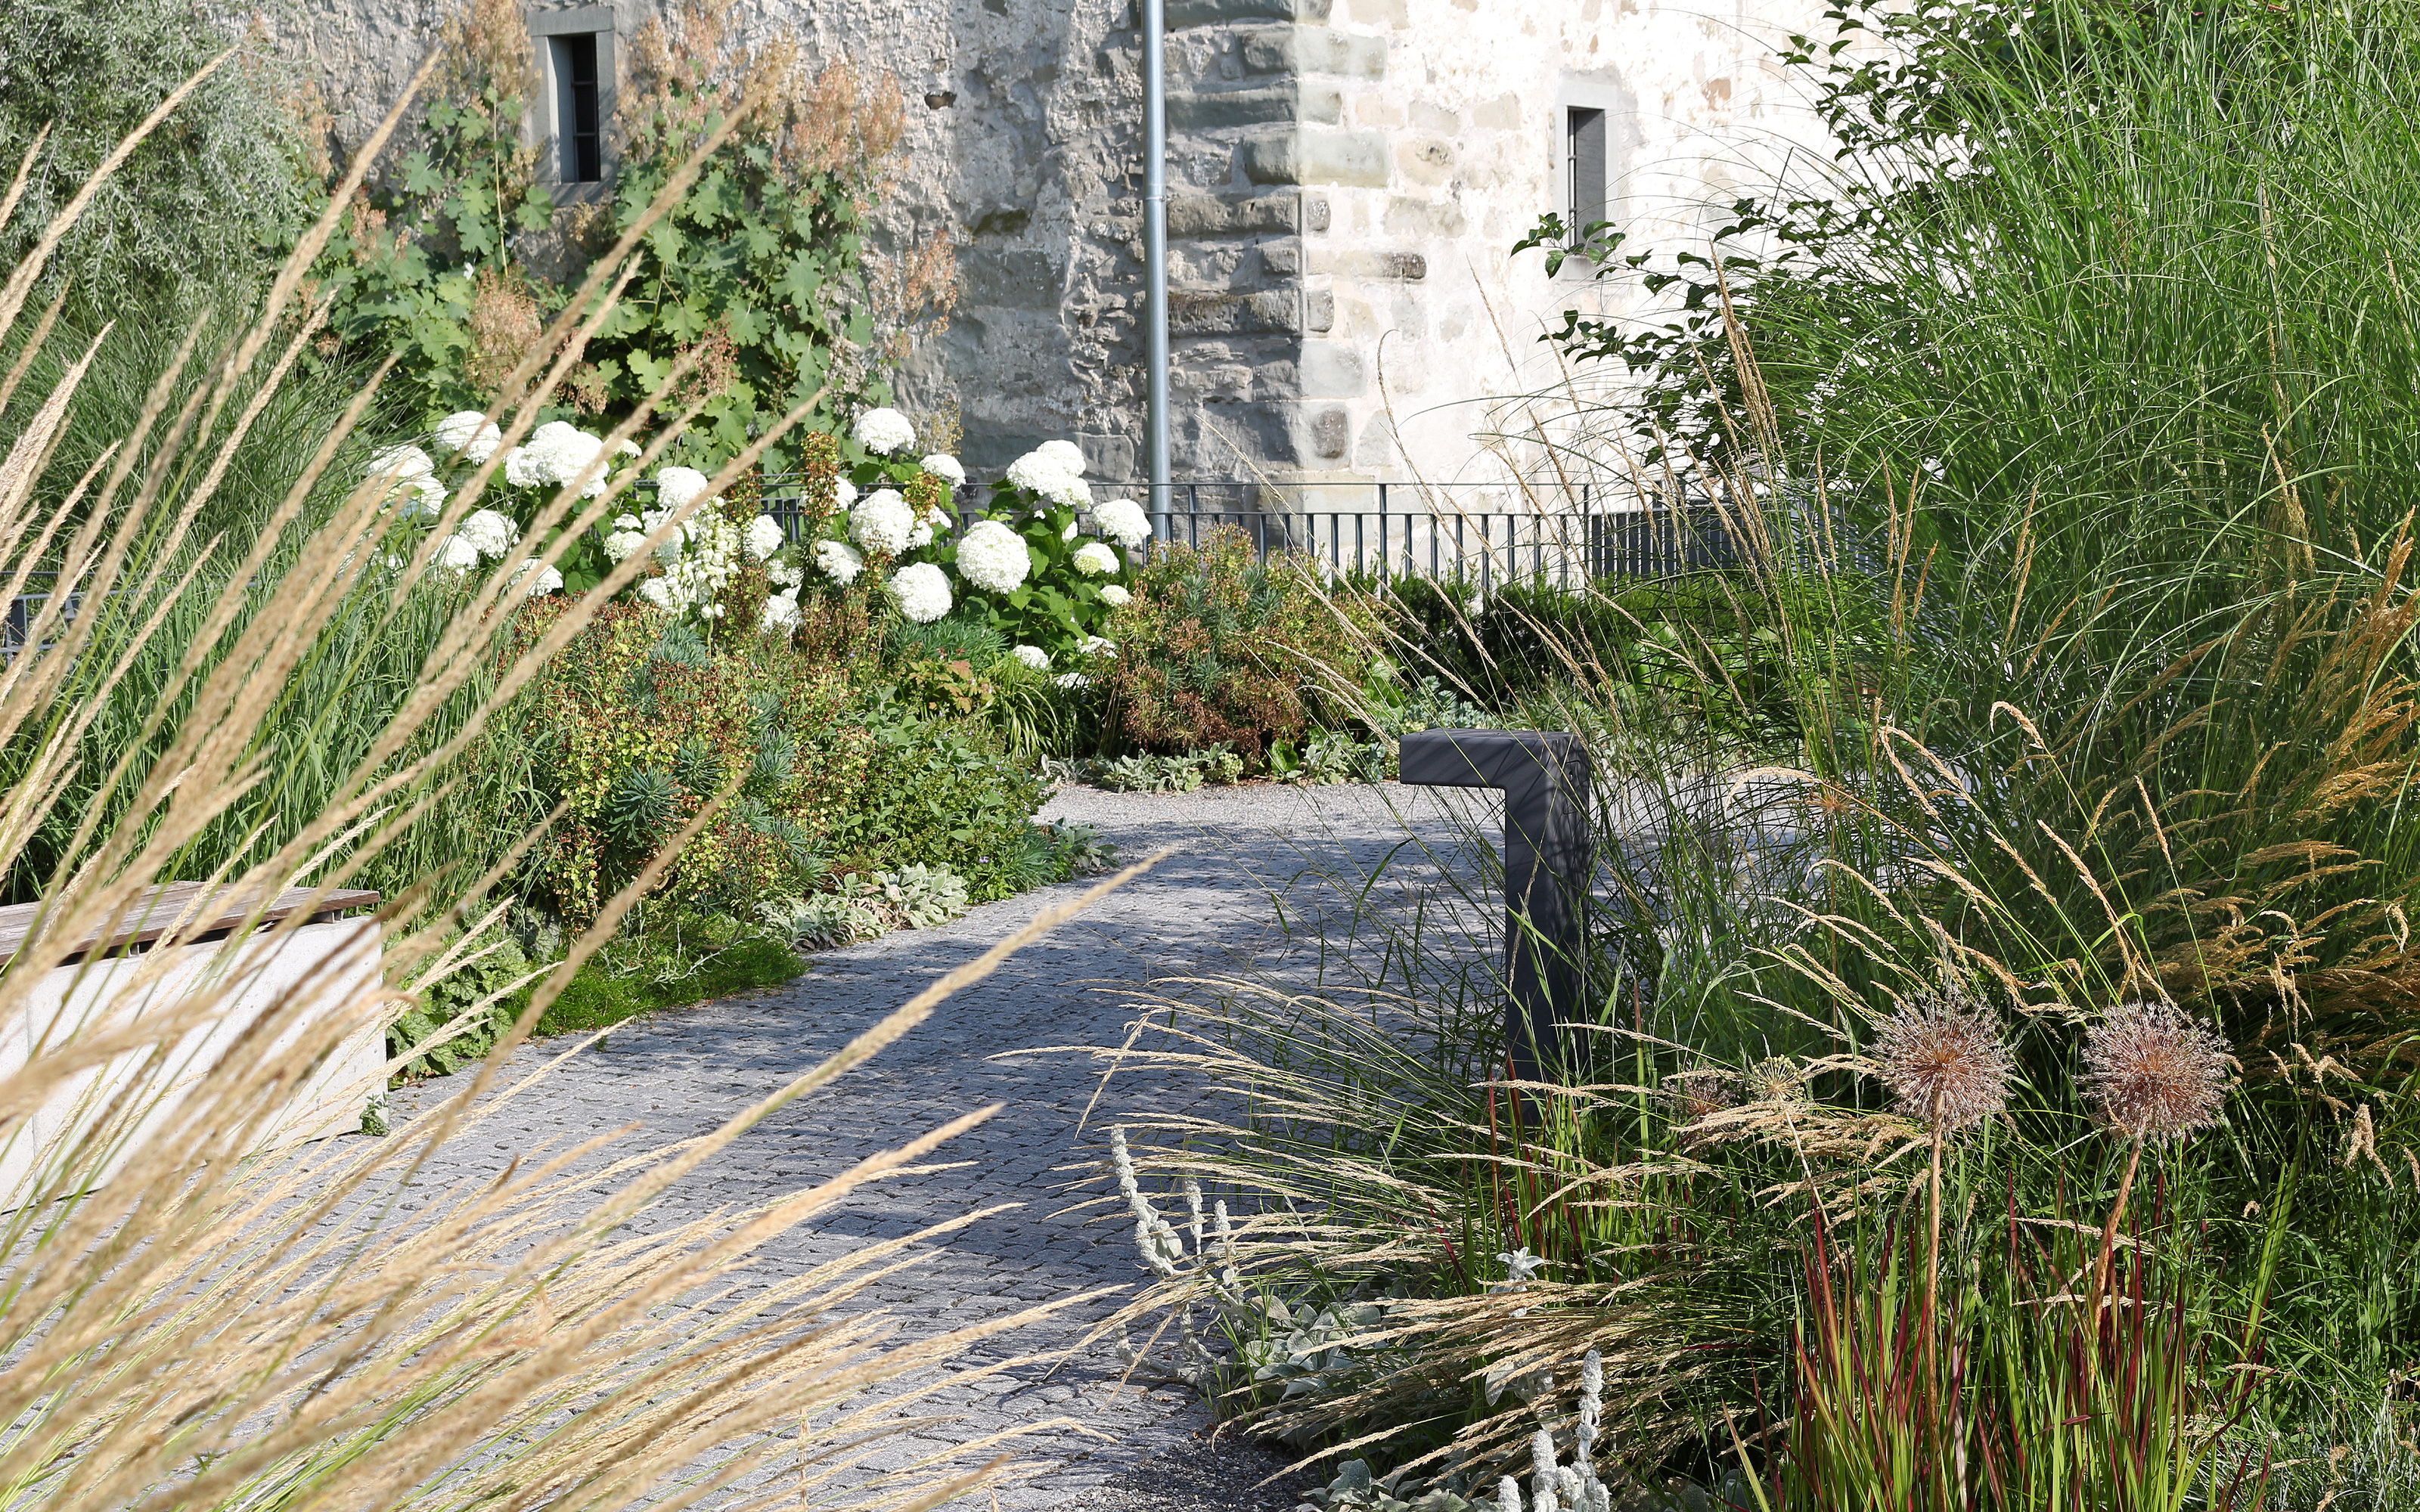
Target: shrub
640, 719
944, 793
1218, 649
667, 959
483, 977
756, 273
194, 217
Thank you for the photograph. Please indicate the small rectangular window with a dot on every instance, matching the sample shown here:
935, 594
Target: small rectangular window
1584, 153
580, 133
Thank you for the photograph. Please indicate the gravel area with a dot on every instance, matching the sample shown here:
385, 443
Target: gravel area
1247, 852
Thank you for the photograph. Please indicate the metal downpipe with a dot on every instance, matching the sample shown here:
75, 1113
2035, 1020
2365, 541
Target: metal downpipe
1155, 240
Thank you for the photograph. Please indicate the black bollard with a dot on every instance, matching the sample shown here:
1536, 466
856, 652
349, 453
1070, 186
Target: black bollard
1549, 861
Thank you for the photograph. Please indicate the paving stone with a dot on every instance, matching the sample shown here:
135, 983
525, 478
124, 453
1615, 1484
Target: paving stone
1207, 908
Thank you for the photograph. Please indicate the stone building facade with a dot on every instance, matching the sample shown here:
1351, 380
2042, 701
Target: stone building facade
1347, 180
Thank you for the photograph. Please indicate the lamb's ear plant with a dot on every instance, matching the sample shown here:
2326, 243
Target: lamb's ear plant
189, 1322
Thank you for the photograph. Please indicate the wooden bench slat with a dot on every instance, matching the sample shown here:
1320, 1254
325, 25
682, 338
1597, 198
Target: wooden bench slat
204, 911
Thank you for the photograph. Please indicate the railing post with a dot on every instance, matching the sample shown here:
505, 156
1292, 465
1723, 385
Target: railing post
1548, 865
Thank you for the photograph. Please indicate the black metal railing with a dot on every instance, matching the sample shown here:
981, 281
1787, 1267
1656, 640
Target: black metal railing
1396, 530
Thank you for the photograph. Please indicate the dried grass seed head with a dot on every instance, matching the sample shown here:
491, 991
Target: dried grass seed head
2154, 1074
1944, 1059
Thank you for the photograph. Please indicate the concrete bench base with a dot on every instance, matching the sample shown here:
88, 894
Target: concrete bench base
320, 982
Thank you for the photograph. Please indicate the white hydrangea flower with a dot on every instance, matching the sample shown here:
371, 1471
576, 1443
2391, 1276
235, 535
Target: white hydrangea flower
1046, 473
657, 592
785, 574
490, 533
457, 553
412, 484
1067, 531
625, 522
469, 434
843, 493
537, 581
627, 447
780, 615
619, 545
993, 557
1114, 596
921, 590
668, 551
571, 453
1034, 656
1093, 560
400, 462
763, 536
1069, 456
839, 560
677, 486
946, 468
1122, 521
1072, 680
524, 468
885, 431
882, 521
1097, 645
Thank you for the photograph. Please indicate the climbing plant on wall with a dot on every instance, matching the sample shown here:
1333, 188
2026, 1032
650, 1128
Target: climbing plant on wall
761, 276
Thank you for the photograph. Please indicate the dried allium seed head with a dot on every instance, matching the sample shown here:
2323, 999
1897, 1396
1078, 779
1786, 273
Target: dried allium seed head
1775, 1079
2152, 1073
1944, 1059
1696, 1094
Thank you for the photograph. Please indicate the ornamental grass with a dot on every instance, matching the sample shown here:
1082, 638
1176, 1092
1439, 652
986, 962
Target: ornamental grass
2033, 866
184, 1323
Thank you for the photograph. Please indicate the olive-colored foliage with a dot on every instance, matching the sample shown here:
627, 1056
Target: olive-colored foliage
192, 219
1218, 649
1699, 646
639, 722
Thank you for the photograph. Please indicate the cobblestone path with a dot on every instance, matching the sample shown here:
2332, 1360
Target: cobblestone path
682, 1073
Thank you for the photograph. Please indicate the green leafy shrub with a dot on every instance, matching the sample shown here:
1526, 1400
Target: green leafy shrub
756, 273
1701, 645
665, 959
1218, 649
940, 791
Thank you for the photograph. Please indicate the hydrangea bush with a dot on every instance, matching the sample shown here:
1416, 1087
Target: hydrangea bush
1047, 567
1043, 567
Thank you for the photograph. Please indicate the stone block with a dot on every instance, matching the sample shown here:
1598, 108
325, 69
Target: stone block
1332, 370
1226, 314
1328, 432
1213, 13
1319, 310
1316, 158
1280, 259
1315, 215
1421, 220
1426, 162
1199, 215
1209, 110
1436, 118
1310, 50
1018, 278
1501, 113
1393, 267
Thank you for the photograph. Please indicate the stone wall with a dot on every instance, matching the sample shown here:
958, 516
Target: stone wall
1347, 178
